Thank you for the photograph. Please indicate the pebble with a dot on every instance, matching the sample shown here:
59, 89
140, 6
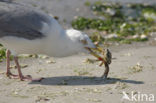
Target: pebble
111, 36
43, 56
135, 36
143, 36
50, 61
77, 9
110, 11
75, 17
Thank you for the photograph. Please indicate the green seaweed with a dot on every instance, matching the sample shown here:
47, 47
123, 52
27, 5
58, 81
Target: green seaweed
118, 23
2, 53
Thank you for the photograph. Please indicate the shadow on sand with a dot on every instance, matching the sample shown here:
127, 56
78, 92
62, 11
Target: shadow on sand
82, 80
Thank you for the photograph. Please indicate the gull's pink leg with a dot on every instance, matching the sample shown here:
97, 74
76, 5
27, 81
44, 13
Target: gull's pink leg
8, 72
8, 62
20, 75
22, 78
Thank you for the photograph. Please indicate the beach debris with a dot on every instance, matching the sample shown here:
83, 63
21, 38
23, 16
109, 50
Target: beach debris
41, 99
43, 56
137, 68
50, 61
22, 66
143, 36
119, 85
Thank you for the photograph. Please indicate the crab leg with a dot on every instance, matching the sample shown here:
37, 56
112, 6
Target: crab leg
106, 71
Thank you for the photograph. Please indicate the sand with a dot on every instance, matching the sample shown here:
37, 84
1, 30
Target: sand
71, 80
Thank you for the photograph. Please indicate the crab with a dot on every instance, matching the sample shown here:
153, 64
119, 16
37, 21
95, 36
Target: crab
105, 58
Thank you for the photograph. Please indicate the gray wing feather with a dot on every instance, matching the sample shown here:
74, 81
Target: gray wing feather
8, 1
20, 21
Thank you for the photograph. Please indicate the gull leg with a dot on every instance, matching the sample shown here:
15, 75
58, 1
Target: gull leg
27, 77
8, 72
21, 77
8, 62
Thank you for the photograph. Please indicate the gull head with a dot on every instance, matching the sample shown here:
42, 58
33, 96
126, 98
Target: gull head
80, 40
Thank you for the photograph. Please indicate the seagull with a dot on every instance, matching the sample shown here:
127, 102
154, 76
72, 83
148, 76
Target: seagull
25, 30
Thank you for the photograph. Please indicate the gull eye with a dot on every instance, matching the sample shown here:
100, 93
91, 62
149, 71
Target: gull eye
84, 42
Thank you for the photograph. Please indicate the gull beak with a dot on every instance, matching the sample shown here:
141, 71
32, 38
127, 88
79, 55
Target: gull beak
94, 54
